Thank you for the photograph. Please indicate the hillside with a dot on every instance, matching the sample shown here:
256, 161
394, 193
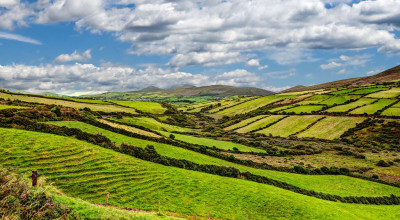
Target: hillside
385, 76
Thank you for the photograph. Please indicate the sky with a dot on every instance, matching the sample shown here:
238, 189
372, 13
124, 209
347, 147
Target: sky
77, 47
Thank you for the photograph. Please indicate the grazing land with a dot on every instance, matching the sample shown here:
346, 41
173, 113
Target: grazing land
352, 105
372, 108
148, 107
260, 123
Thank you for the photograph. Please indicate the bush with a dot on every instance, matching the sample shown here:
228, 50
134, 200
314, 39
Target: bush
382, 163
172, 136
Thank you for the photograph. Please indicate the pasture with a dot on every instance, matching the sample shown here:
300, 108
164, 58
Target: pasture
392, 93
152, 124
352, 105
304, 109
148, 107
372, 108
244, 122
260, 123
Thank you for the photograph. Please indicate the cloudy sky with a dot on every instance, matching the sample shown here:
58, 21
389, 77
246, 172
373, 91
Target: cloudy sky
88, 46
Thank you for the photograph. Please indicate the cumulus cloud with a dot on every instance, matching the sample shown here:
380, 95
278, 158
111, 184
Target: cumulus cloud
284, 74
330, 65
347, 61
77, 78
16, 37
75, 56
253, 62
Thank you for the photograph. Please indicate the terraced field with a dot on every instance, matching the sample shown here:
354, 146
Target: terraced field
367, 90
78, 105
260, 124
252, 105
152, 124
338, 185
290, 125
338, 100
281, 108
341, 92
331, 127
372, 108
128, 128
392, 93
304, 109
87, 171
391, 112
148, 107
352, 105
314, 99
244, 122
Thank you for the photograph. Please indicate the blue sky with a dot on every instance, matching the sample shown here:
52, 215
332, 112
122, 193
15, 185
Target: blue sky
78, 47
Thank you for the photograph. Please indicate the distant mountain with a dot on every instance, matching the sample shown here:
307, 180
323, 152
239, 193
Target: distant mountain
216, 90
52, 94
387, 75
149, 89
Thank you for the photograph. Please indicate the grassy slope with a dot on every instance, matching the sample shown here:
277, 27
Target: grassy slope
94, 107
304, 108
10, 106
129, 128
372, 108
153, 124
290, 125
244, 122
392, 93
331, 127
344, 108
149, 107
314, 99
391, 112
87, 171
338, 185
226, 145
259, 124
338, 100
252, 105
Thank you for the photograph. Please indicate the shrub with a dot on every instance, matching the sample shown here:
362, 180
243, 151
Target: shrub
382, 163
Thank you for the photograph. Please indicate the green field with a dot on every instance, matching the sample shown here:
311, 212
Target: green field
338, 185
397, 105
11, 106
260, 124
391, 112
314, 99
331, 127
341, 92
244, 122
347, 107
152, 123
87, 171
128, 128
94, 107
252, 105
372, 108
290, 125
304, 109
338, 100
392, 93
367, 90
281, 108
226, 145
148, 107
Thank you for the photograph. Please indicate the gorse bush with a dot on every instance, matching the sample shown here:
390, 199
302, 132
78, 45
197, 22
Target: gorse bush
20, 201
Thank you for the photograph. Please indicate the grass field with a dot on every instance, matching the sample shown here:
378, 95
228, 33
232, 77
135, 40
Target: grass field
252, 105
87, 171
148, 107
78, 105
391, 112
338, 100
314, 99
304, 109
226, 145
10, 106
281, 108
331, 127
290, 125
372, 108
340, 185
128, 128
347, 107
392, 93
152, 123
367, 90
341, 92
244, 122
260, 124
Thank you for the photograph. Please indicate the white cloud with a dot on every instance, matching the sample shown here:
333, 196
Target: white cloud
282, 74
71, 78
330, 65
16, 37
253, 62
75, 56
263, 67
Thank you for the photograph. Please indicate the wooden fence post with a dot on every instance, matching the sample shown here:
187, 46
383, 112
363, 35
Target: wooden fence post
159, 207
108, 195
247, 216
34, 177
209, 215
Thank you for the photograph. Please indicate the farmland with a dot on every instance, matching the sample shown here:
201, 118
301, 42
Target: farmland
352, 105
372, 108
290, 125
304, 109
244, 122
149, 107
392, 93
260, 123
151, 123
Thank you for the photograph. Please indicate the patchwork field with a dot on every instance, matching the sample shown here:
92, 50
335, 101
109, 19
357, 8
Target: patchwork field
304, 109
372, 108
152, 123
140, 184
78, 105
338, 100
128, 128
10, 106
252, 105
391, 112
314, 99
149, 107
331, 127
290, 125
260, 123
352, 105
244, 122
367, 90
392, 93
